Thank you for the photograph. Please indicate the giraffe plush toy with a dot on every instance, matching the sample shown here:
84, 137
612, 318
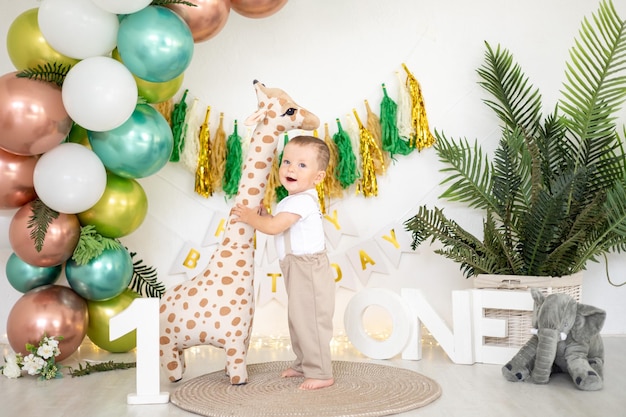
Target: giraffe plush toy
217, 306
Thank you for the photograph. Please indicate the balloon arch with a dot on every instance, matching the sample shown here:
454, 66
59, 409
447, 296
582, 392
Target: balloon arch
71, 153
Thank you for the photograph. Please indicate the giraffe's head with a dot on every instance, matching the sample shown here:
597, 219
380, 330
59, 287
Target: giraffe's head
278, 110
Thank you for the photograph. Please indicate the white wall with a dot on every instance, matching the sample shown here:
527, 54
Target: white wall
330, 56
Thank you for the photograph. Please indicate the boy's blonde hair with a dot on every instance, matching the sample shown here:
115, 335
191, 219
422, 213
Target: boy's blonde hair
323, 153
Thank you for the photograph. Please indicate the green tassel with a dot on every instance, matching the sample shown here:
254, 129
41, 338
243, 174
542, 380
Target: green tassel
178, 127
392, 142
281, 191
346, 171
234, 159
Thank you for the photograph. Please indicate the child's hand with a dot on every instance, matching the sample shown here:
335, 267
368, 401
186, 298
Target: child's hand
242, 213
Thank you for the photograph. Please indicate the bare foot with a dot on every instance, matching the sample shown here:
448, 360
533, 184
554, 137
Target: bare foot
312, 383
290, 373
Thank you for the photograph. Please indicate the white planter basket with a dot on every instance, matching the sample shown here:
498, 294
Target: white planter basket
519, 322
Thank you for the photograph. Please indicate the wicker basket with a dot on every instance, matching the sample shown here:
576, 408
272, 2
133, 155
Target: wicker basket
519, 322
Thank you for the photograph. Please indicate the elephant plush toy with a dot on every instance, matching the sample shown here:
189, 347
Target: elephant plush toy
567, 339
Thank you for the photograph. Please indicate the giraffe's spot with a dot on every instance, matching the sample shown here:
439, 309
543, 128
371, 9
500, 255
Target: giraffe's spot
236, 321
176, 288
191, 324
197, 314
192, 292
220, 264
238, 360
233, 302
260, 165
203, 337
241, 263
178, 296
162, 308
171, 317
251, 175
280, 128
240, 291
176, 329
244, 301
164, 340
204, 302
226, 253
227, 280
224, 311
185, 305
235, 380
172, 366
238, 333
254, 191
226, 241
231, 352
228, 334
207, 314
221, 341
220, 293
217, 325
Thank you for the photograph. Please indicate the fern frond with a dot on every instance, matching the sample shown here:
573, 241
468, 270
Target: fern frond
50, 72
39, 221
145, 279
91, 244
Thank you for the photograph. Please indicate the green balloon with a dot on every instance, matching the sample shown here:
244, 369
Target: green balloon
24, 277
121, 209
100, 312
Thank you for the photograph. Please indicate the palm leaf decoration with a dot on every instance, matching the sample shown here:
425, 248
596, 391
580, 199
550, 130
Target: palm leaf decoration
554, 191
144, 280
91, 244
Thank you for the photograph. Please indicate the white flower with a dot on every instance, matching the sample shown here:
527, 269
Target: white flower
52, 342
11, 359
33, 364
12, 369
46, 351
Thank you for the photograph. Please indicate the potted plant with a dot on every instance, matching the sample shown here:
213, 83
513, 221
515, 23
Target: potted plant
553, 194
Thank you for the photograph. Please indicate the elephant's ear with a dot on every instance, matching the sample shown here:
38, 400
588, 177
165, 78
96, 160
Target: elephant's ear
538, 297
589, 322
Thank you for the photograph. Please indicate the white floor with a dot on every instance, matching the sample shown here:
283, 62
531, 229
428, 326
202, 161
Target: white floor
468, 391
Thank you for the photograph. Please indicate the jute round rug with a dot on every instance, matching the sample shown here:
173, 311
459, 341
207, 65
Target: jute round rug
360, 389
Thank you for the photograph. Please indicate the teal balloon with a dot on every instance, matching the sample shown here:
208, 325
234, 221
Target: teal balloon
139, 147
155, 44
104, 277
24, 277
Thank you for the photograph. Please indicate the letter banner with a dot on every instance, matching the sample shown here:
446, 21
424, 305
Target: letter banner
393, 241
216, 228
270, 284
192, 259
336, 224
365, 259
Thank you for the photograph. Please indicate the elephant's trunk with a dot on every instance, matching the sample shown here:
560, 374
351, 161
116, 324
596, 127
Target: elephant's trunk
546, 352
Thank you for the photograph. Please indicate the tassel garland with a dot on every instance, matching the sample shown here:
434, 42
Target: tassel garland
178, 122
234, 159
368, 150
347, 171
420, 136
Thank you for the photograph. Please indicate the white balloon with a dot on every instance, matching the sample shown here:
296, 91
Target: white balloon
69, 178
99, 93
78, 28
122, 6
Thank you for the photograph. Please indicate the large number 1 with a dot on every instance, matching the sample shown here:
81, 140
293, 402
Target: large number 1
142, 314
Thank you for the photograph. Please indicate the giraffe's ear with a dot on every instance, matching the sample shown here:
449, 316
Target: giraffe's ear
255, 118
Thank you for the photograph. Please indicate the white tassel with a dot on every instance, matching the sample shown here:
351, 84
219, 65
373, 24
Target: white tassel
189, 155
404, 109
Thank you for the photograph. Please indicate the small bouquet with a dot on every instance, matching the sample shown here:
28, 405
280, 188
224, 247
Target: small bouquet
40, 361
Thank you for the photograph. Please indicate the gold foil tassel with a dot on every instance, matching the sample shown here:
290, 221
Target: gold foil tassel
218, 155
368, 185
332, 186
373, 126
420, 137
204, 183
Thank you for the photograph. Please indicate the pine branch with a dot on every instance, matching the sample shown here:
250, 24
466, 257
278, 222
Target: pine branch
100, 367
91, 244
39, 221
145, 281
50, 72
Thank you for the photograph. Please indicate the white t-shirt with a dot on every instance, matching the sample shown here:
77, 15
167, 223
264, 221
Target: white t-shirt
307, 234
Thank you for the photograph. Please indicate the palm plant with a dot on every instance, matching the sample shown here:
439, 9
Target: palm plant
554, 193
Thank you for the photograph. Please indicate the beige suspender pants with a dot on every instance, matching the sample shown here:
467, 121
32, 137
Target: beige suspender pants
311, 304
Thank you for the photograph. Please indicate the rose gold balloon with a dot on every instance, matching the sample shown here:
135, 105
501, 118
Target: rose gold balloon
16, 177
59, 241
33, 119
53, 310
257, 8
206, 19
